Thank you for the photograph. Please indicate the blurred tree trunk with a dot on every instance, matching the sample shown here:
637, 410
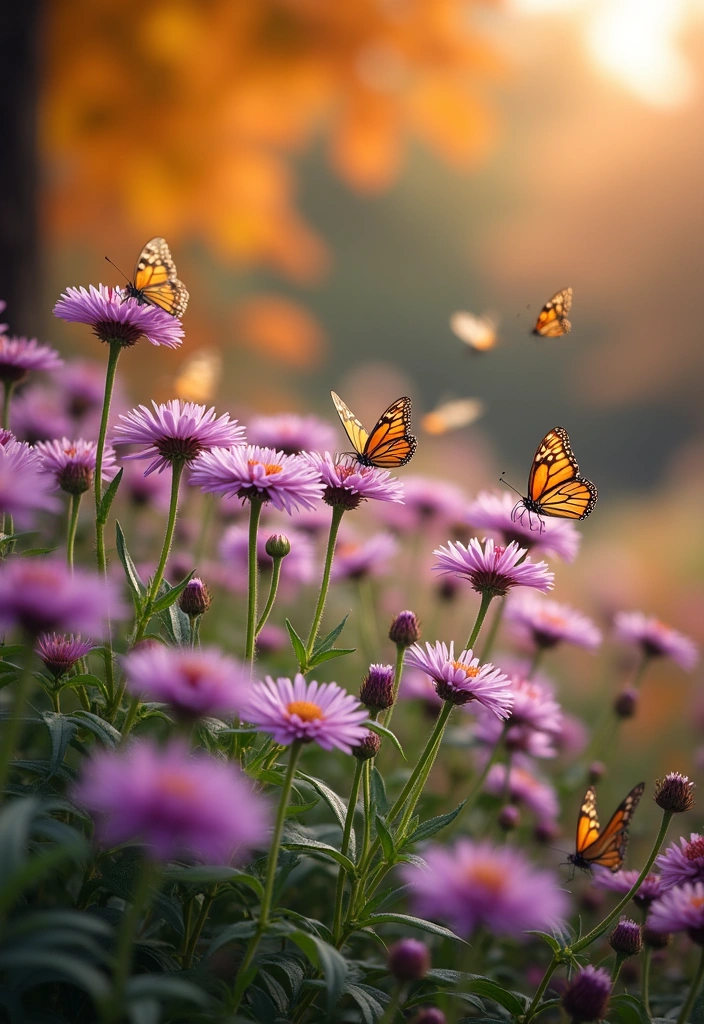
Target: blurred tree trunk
19, 241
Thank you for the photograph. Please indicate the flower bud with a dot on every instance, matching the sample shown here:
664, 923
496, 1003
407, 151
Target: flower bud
546, 832
342, 496
429, 1015
586, 997
195, 598
655, 939
377, 689
627, 938
75, 478
674, 793
277, 546
368, 748
509, 817
409, 960
626, 703
597, 771
405, 629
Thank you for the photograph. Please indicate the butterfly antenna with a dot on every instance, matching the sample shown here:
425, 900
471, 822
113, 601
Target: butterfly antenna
118, 269
502, 481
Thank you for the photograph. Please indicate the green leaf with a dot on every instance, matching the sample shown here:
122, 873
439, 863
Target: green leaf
106, 733
313, 847
431, 826
108, 498
34, 870
233, 933
371, 1005
387, 840
178, 625
380, 803
299, 648
491, 990
31, 552
171, 594
327, 642
336, 652
60, 966
61, 731
164, 986
134, 580
328, 960
627, 1009
550, 939
334, 802
15, 824
377, 727
412, 922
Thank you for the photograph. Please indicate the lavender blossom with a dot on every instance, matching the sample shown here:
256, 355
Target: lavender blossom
115, 317
491, 569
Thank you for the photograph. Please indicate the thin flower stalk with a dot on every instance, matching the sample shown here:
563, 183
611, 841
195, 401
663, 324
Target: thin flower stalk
685, 1013
481, 615
500, 608
273, 589
645, 979
337, 513
346, 836
11, 729
111, 1008
255, 511
74, 506
398, 673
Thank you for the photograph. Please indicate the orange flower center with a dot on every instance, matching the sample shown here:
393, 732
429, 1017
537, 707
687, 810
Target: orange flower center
270, 468
306, 710
177, 785
553, 620
489, 876
471, 671
697, 901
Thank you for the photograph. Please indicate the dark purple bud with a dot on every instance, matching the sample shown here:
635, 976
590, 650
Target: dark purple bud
674, 793
586, 998
509, 817
405, 629
626, 703
377, 689
627, 938
195, 598
409, 960
368, 748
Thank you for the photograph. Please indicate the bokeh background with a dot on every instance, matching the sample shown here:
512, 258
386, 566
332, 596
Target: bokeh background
336, 178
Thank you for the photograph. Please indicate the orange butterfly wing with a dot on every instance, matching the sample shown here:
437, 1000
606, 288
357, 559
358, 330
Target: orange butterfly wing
607, 848
552, 320
155, 280
555, 487
389, 445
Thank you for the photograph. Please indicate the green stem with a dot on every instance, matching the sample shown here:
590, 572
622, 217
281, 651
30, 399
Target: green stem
346, 835
129, 720
645, 979
9, 386
493, 630
273, 587
337, 513
206, 519
55, 701
535, 661
684, 1014
481, 614
367, 618
618, 964
112, 1008
265, 909
73, 509
393, 1007
367, 794
398, 670
533, 1008
255, 511
13, 724
199, 925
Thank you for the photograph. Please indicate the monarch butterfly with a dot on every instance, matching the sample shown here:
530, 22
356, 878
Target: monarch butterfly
155, 281
605, 848
555, 487
460, 412
477, 332
389, 445
552, 320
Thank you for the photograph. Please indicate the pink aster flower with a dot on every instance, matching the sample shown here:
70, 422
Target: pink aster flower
18, 356
656, 639
524, 789
545, 623
175, 431
492, 569
115, 317
41, 595
60, 652
683, 863
680, 909
24, 489
416, 685
298, 566
193, 682
462, 679
533, 725
71, 464
179, 805
307, 712
347, 482
152, 491
474, 884
38, 414
359, 559
291, 434
427, 502
289, 482
623, 881
492, 512
82, 384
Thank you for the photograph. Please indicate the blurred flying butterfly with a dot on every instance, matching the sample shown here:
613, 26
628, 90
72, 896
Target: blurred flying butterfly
606, 848
452, 415
477, 332
155, 281
555, 487
552, 320
389, 444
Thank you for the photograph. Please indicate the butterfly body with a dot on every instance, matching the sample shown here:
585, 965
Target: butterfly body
552, 320
606, 848
389, 444
155, 282
555, 486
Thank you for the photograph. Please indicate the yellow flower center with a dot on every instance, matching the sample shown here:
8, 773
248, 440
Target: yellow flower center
488, 876
471, 671
270, 468
306, 710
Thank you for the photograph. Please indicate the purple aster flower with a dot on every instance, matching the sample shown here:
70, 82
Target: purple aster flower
493, 569
18, 356
194, 682
586, 997
626, 939
24, 489
179, 805
462, 679
473, 884
298, 567
39, 414
680, 909
404, 630
60, 653
271, 639
546, 623
41, 595
348, 483
675, 793
524, 789
656, 639
82, 384
146, 491
291, 711
359, 559
287, 481
683, 863
72, 463
175, 432
623, 881
520, 738
426, 502
492, 512
114, 317
416, 685
292, 434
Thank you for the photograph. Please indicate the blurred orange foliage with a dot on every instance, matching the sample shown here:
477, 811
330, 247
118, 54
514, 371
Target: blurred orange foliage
181, 117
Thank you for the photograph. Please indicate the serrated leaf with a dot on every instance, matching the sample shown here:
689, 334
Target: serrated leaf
171, 594
178, 625
106, 733
313, 847
328, 960
387, 840
380, 803
432, 826
336, 652
377, 727
109, 497
134, 580
371, 1006
61, 731
334, 802
412, 922
299, 648
326, 643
